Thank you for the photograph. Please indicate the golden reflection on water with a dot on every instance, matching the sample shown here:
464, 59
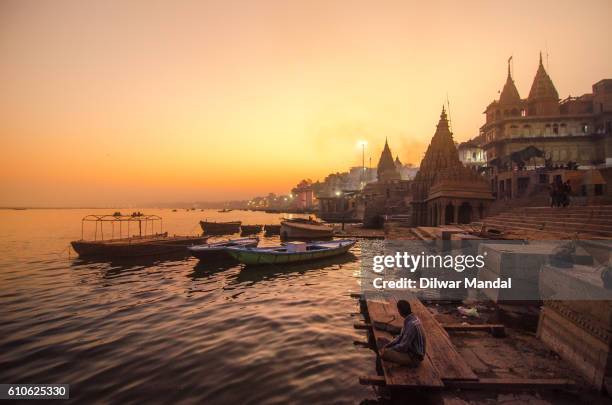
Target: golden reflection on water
175, 328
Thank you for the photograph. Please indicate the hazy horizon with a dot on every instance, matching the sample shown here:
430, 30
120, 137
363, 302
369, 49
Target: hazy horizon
120, 103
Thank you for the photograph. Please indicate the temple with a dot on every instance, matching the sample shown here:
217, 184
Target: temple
543, 131
444, 190
387, 168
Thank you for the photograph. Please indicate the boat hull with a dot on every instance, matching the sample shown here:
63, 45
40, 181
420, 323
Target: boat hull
259, 257
271, 230
212, 252
297, 230
220, 228
250, 229
135, 247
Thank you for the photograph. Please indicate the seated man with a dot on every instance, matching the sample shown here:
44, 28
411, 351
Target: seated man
408, 348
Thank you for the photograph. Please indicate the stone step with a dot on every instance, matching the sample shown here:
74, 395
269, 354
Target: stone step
559, 214
595, 222
557, 224
504, 224
571, 208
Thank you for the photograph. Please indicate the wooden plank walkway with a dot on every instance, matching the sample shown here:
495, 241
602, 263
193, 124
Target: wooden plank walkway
424, 376
443, 366
440, 352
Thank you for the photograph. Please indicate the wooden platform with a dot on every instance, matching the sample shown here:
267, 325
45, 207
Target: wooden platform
443, 366
442, 361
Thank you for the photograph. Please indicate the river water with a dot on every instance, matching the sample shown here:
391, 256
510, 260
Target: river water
175, 330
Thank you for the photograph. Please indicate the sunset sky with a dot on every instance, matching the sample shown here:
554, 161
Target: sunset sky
131, 102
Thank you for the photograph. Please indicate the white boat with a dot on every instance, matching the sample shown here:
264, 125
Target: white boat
291, 252
305, 229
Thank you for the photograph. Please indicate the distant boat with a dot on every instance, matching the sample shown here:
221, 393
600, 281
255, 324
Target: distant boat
250, 229
219, 249
305, 229
225, 210
146, 243
271, 230
174, 210
220, 228
291, 252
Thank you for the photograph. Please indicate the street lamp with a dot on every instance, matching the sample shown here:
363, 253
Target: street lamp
362, 144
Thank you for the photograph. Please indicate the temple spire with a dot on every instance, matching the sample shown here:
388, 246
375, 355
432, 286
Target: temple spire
509, 95
542, 86
386, 169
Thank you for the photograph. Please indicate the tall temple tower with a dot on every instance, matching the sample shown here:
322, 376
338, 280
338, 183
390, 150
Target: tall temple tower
444, 190
510, 103
386, 169
543, 97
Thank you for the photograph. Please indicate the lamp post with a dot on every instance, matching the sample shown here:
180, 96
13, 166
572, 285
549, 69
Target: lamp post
363, 146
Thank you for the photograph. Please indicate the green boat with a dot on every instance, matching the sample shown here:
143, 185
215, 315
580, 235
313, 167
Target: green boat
291, 252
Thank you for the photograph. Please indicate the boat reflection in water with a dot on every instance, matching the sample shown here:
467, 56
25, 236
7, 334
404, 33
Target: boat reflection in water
266, 272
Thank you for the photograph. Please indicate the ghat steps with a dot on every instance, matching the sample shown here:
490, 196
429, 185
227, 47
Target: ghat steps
584, 220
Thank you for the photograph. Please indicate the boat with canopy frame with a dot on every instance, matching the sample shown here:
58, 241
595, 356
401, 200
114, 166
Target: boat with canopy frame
150, 240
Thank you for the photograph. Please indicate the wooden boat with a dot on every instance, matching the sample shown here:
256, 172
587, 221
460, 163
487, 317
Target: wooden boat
271, 230
219, 249
305, 229
147, 242
220, 228
291, 252
250, 229
153, 245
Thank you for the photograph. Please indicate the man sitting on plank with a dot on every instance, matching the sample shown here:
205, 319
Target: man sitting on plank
408, 348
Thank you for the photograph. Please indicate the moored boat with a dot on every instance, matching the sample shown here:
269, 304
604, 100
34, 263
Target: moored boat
250, 229
271, 230
292, 252
219, 249
220, 228
305, 229
147, 242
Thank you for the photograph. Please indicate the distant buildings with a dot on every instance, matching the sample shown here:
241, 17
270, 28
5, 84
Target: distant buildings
303, 197
471, 155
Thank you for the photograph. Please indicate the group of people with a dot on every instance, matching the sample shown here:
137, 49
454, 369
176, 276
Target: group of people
560, 193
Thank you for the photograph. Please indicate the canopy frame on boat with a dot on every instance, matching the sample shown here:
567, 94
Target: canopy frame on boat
150, 223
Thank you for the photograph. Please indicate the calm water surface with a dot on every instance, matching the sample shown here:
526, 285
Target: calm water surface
175, 330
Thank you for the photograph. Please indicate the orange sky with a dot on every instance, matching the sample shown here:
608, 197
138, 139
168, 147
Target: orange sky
129, 102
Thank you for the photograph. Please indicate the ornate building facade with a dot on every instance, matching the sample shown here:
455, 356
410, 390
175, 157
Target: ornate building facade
444, 191
576, 129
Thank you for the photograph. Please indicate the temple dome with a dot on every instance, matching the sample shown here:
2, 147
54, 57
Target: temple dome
441, 161
542, 87
509, 94
386, 169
